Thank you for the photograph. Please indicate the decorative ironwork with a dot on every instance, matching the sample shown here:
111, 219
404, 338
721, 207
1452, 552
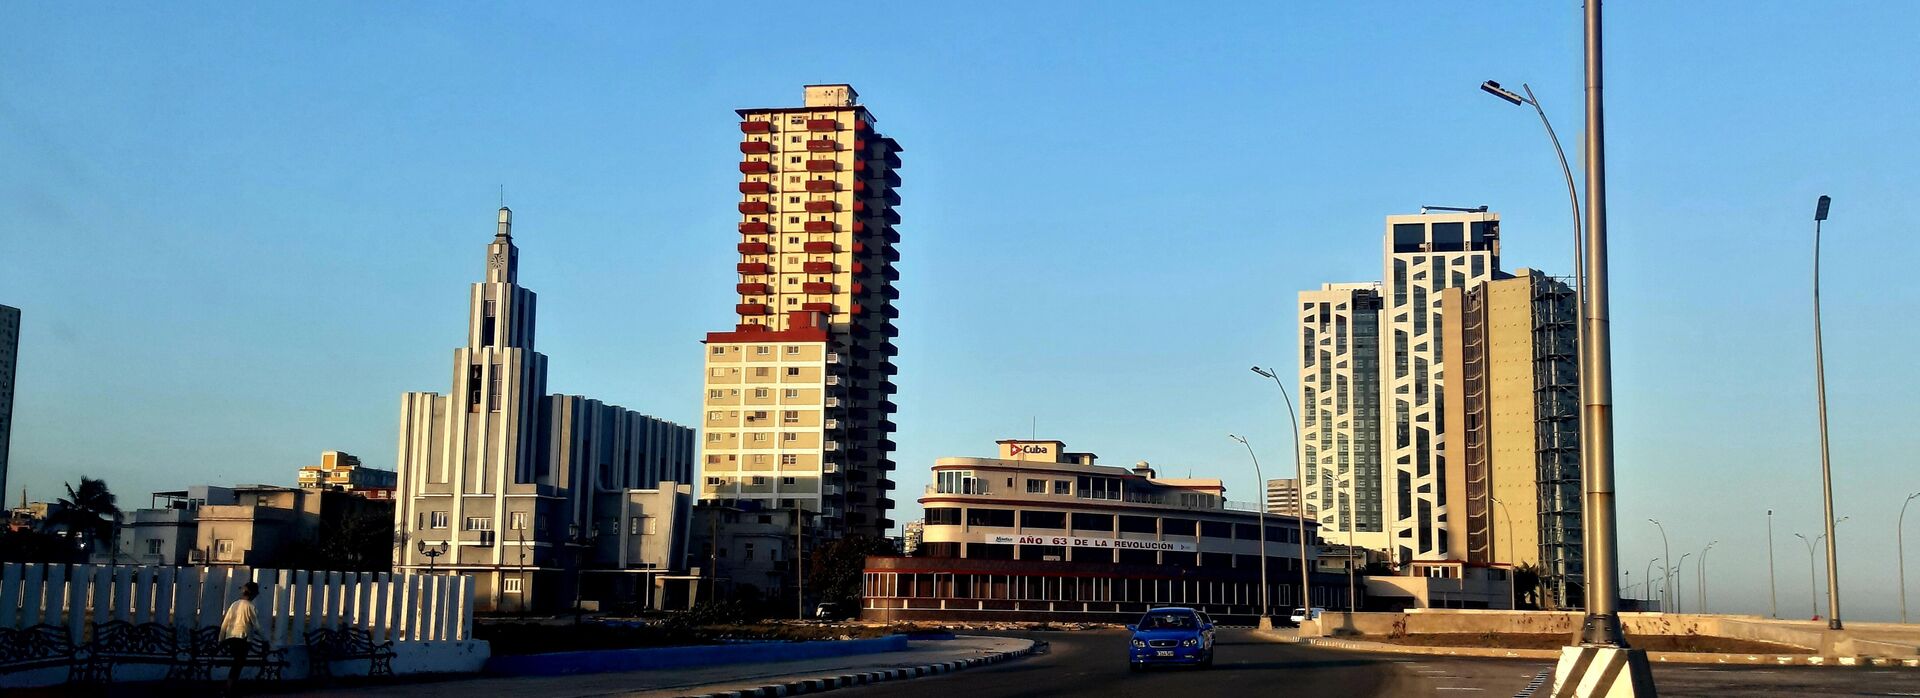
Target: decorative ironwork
326, 645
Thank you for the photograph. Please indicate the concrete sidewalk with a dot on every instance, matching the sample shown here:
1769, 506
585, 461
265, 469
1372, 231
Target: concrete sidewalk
665, 683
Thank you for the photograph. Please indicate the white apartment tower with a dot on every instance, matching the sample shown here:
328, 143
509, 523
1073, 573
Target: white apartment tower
1340, 411
1424, 253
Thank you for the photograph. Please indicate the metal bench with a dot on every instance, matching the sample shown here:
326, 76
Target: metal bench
328, 645
204, 646
119, 642
45, 646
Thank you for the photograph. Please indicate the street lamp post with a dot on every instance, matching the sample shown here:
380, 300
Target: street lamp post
1266, 620
1700, 575
1900, 546
1512, 581
1680, 586
1773, 604
1826, 468
1649, 581
1666, 586
1813, 586
1300, 493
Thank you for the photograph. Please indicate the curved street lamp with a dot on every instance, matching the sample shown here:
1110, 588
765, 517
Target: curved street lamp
1666, 584
1266, 619
1901, 546
1700, 575
1300, 493
1826, 468
1513, 581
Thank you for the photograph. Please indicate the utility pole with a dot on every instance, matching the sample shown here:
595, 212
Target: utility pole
1773, 601
1826, 467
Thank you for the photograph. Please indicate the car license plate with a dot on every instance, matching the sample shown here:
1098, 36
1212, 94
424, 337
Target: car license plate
1163, 653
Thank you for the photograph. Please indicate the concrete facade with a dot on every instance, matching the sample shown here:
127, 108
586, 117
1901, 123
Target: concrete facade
1424, 254
1283, 498
1340, 410
815, 280
1513, 460
501, 480
343, 472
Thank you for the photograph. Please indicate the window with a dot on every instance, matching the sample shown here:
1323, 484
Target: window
153, 546
786, 480
718, 372
438, 519
1043, 519
789, 459
478, 523
760, 372
1036, 487
493, 389
510, 585
790, 417
714, 394
633, 525
791, 393
943, 517
223, 547
761, 392
746, 552
517, 520
1063, 487
759, 479
790, 436
1093, 522
762, 351
793, 349
713, 436
1139, 524
714, 481
716, 351
990, 517
793, 370
649, 525
713, 416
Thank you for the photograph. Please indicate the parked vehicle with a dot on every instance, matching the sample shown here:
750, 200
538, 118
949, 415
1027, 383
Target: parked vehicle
1301, 615
1180, 636
829, 611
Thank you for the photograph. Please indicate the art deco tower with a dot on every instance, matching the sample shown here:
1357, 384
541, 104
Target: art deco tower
798, 410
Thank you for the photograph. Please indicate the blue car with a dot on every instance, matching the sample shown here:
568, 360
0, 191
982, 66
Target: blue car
1171, 636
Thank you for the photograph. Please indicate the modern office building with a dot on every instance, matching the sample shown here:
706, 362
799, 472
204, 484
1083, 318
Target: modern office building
1340, 411
342, 472
1283, 498
517, 487
9, 362
1424, 254
1041, 533
797, 409
1513, 424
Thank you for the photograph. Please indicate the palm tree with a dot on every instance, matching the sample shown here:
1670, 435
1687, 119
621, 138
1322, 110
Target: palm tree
89, 512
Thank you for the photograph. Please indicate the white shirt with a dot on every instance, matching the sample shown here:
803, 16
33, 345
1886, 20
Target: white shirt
241, 622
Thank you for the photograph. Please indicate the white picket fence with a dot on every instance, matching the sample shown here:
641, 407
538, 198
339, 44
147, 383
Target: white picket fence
397, 607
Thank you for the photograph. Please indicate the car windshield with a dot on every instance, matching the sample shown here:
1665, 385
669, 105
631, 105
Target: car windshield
1168, 621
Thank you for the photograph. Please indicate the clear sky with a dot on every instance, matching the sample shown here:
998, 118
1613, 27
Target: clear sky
240, 232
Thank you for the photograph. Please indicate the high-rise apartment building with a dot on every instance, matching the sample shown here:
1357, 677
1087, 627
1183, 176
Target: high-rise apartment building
797, 410
1513, 428
9, 361
1424, 254
1340, 411
1283, 498
516, 487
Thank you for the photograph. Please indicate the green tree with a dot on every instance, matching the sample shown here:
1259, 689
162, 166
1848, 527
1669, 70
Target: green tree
836, 569
89, 512
1526, 585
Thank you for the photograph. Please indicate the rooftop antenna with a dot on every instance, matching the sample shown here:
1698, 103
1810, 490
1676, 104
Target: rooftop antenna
503, 196
1476, 209
1033, 428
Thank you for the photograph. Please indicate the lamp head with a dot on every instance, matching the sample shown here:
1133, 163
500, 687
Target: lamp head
1494, 88
1820, 209
1263, 372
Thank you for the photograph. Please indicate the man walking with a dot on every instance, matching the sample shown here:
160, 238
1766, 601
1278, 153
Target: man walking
238, 630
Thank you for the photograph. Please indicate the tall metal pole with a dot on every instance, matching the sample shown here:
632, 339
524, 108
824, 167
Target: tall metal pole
1826, 468
1700, 575
1299, 487
1813, 585
1773, 599
799, 561
1680, 584
1900, 545
1649, 580
1602, 625
1265, 618
1512, 581
1666, 586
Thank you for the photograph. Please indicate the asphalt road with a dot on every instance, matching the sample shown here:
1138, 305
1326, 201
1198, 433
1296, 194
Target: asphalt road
1094, 663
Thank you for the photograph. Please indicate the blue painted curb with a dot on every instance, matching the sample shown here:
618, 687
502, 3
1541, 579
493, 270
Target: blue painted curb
601, 661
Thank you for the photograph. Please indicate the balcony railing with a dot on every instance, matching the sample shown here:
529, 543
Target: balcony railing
756, 127
823, 124
831, 446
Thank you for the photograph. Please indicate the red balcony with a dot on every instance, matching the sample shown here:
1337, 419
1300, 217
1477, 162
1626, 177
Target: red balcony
823, 185
756, 127
859, 185
859, 165
752, 309
753, 268
753, 227
821, 166
817, 287
819, 226
756, 187
859, 206
756, 147
859, 125
753, 289
859, 227
754, 248
821, 207
859, 268
859, 288
823, 145
755, 167
859, 247
817, 307
857, 310
755, 207
817, 267
820, 247
823, 125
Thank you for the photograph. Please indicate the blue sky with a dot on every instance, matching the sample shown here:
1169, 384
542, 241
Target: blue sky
239, 232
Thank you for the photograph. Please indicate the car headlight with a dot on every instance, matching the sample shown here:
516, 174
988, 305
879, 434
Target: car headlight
1190, 642
1137, 643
